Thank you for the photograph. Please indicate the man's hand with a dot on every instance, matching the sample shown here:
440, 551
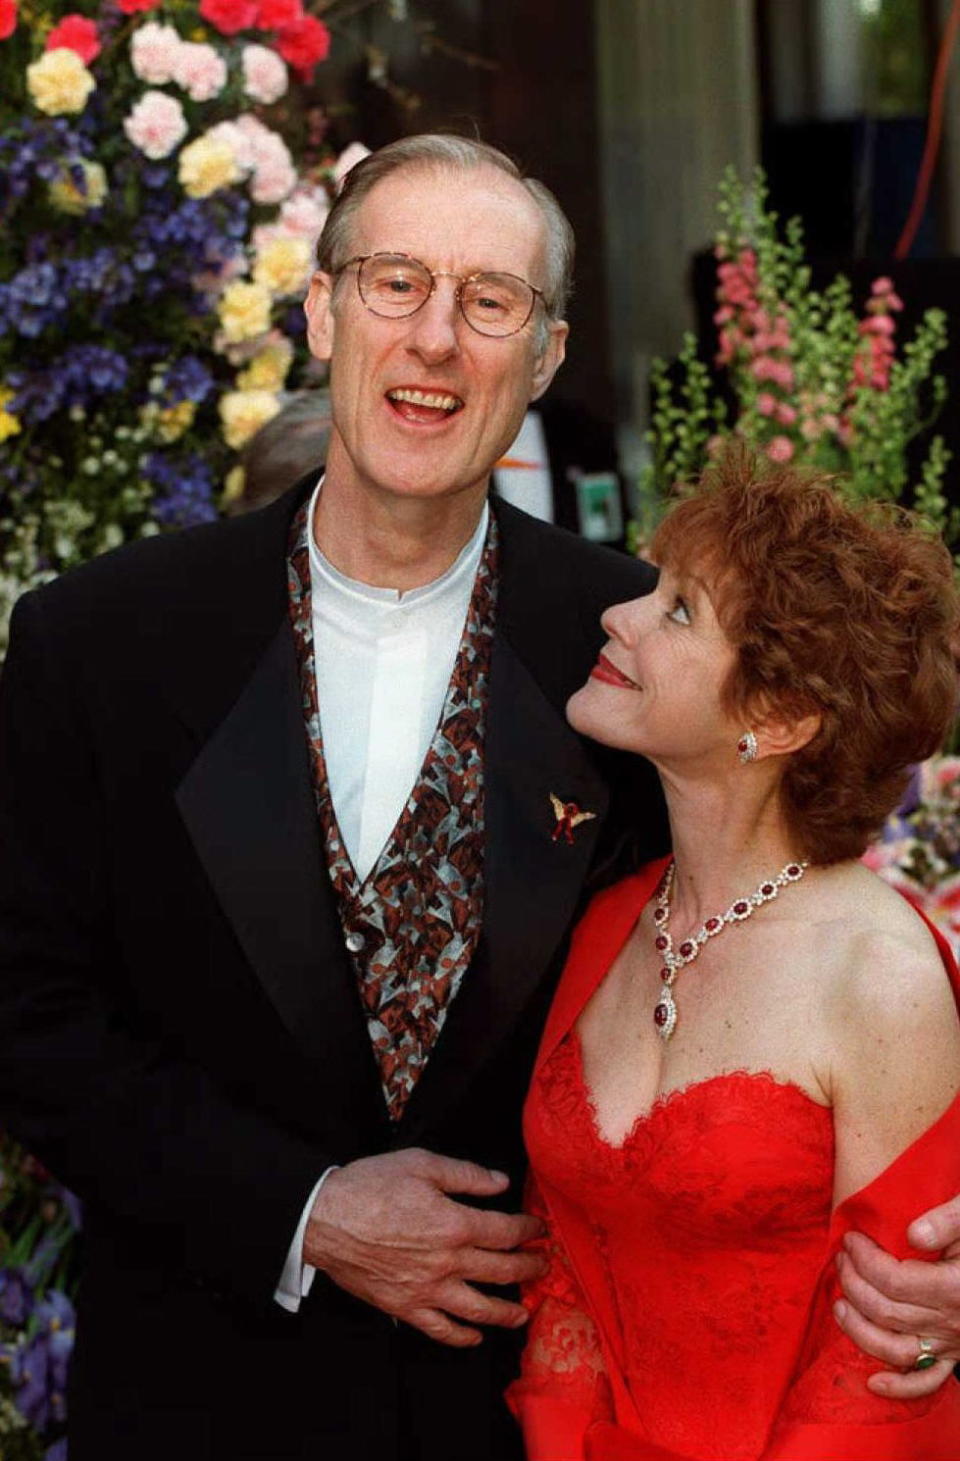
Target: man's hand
384, 1229
891, 1305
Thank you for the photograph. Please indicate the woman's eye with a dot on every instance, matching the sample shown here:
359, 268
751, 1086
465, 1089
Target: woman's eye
680, 614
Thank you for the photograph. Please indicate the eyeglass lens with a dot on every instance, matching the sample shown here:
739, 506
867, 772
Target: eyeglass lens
492, 304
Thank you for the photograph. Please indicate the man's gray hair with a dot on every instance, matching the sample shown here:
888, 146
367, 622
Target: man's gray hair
436, 150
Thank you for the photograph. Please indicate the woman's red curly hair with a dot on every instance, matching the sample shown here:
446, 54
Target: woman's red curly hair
845, 609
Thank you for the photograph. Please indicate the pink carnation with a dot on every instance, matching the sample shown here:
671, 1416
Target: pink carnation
75, 33
780, 449
348, 159
264, 74
153, 52
156, 124
274, 176
8, 18
305, 213
766, 404
229, 16
199, 70
272, 180
785, 413
236, 138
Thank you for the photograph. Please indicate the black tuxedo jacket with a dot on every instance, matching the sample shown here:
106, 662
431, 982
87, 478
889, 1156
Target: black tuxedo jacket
181, 1038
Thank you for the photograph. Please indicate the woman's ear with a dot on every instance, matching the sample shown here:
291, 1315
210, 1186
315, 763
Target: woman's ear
780, 734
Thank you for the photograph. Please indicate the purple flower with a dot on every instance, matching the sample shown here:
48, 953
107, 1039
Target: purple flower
188, 379
183, 489
16, 1296
29, 1372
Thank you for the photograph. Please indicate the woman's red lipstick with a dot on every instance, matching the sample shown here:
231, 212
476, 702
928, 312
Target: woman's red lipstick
607, 672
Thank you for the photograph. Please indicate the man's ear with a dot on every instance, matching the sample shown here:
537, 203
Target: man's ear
550, 359
318, 308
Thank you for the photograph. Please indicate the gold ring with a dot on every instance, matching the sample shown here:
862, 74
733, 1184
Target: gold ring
925, 1355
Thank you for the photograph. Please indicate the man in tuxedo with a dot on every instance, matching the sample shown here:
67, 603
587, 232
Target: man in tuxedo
292, 834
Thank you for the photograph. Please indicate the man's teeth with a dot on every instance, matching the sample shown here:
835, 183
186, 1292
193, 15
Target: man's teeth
426, 398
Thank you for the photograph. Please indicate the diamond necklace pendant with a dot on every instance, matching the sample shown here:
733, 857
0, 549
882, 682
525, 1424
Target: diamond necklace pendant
665, 1010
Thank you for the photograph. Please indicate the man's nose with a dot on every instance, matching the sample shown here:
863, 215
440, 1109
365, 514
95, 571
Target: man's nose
434, 329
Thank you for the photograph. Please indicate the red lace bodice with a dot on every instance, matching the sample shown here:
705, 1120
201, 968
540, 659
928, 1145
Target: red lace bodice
688, 1302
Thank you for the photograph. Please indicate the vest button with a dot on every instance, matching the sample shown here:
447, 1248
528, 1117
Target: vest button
355, 942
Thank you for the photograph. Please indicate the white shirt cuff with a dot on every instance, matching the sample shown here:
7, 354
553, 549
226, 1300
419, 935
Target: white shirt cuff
297, 1277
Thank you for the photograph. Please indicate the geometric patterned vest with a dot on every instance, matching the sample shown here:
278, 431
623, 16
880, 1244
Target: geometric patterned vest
411, 927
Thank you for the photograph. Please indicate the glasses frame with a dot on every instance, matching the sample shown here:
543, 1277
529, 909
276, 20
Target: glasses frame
462, 281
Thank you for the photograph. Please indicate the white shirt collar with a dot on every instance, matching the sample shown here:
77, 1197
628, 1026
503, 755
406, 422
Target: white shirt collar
449, 585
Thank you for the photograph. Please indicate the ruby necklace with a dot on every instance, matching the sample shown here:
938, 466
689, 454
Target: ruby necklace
665, 1013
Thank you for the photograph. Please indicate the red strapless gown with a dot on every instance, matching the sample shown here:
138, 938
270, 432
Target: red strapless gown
687, 1310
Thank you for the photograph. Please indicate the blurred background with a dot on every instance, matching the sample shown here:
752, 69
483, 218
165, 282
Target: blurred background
630, 113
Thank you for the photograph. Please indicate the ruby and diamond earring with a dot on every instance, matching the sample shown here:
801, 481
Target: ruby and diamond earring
747, 748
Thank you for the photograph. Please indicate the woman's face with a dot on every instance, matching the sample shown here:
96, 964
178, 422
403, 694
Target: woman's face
656, 687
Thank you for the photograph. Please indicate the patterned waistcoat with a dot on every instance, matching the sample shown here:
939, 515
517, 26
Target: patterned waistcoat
412, 925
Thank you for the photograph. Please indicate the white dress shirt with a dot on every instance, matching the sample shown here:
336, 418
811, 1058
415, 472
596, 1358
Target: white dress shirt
383, 661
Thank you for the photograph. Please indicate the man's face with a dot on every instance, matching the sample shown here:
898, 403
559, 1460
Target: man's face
455, 223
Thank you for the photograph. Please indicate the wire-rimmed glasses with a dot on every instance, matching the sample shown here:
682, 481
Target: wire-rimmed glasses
395, 286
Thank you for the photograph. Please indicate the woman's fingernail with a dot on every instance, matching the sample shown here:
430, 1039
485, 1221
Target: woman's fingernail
840, 1310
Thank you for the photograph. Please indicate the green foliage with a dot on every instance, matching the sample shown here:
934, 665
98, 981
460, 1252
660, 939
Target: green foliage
812, 380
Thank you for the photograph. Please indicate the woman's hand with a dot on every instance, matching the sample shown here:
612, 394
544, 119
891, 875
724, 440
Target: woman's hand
889, 1305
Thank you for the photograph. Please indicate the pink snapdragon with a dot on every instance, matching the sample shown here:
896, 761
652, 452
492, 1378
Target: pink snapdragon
873, 363
780, 449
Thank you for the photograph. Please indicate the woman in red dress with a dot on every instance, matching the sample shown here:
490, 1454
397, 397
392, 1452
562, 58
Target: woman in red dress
755, 1045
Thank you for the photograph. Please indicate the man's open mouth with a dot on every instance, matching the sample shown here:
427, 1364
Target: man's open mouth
423, 406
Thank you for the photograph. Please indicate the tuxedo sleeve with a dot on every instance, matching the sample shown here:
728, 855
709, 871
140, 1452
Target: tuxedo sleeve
134, 1129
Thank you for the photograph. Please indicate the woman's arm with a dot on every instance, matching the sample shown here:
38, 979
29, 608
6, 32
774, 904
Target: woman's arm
895, 1039
888, 1301
562, 1387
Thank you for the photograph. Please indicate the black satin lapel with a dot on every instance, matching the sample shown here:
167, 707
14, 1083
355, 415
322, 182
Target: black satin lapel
533, 882
248, 805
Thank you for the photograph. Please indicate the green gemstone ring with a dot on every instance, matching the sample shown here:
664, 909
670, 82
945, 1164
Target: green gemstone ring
926, 1356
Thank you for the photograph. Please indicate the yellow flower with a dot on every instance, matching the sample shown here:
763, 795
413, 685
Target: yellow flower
59, 82
207, 165
244, 311
173, 421
268, 370
283, 265
244, 412
233, 486
65, 195
9, 424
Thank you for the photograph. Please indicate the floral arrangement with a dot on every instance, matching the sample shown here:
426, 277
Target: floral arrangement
919, 850
39, 1221
810, 378
156, 236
